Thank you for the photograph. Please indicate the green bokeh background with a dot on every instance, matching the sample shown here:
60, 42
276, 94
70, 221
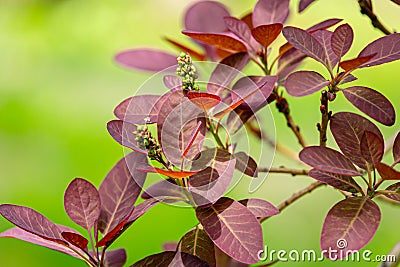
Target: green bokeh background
58, 88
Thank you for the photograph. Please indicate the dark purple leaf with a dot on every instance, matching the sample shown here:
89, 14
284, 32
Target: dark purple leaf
122, 132
394, 187
115, 258
306, 43
146, 59
196, 242
323, 25
342, 39
82, 203
239, 28
246, 164
138, 109
225, 72
233, 228
120, 190
352, 64
302, 83
238, 118
141, 209
266, 34
172, 82
341, 182
327, 159
205, 101
304, 4
386, 48
372, 103
220, 40
325, 37
165, 191
75, 239
347, 79
396, 149
372, 147
350, 225
260, 207
288, 62
31, 221
387, 172
270, 11
171, 258
191, 52
347, 129
396, 1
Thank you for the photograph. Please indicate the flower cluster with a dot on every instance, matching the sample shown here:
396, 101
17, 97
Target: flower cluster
146, 141
187, 71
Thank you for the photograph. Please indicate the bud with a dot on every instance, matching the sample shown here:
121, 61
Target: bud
187, 71
146, 141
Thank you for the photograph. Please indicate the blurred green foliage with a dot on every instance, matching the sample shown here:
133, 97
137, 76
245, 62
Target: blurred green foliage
59, 85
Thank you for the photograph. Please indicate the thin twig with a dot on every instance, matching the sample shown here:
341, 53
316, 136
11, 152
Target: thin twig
325, 116
366, 9
293, 172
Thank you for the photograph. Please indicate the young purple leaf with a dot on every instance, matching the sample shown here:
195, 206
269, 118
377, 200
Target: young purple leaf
396, 149
219, 40
120, 190
372, 148
302, 83
347, 129
341, 182
75, 239
164, 191
270, 11
197, 243
349, 226
115, 258
327, 159
31, 221
386, 172
233, 228
246, 164
122, 132
387, 49
266, 34
260, 207
325, 37
145, 59
342, 39
239, 28
394, 187
372, 103
303, 4
138, 109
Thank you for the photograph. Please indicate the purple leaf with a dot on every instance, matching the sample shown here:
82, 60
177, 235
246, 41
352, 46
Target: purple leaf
225, 72
237, 119
115, 258
122, 132
233, 228
260, 207
170, 258
172, 82
31, 221
75, 239
170, 246
166, 191
396, 149
394, 187
82, 203
347, 79
266, 34
323, 25
327, 159
325, 37
386, 172
145, 59
138, 109
386, 48
141, 209
246, 164
288, 62
270, 11
350, 225
372, 103
120, 190
23, 235
372, 147
304, 4
222, 41
302, 83
239, 28
341, 182
342, 39
306, 43
197, 243
347, 129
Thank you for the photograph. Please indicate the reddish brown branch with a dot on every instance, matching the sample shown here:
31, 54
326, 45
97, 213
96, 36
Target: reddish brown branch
366, 9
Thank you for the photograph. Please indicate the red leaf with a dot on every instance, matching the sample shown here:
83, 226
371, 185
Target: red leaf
396, 149
341, 182
349, 226
303, 4
203, 100
302, 83
188, 50
372, 148
146, 59
327, 159
386, 48
342, 39
270, 11
82, 203
387, 172
138, 109
75, 239
266, 34
394, 187
169, 173
219, 40
372, 103
246, 164
260, 207
192, 138
352, 64
233, 228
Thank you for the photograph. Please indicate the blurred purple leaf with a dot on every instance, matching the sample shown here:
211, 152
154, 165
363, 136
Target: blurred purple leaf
171, 258
246, 164
120, 190
342, 39
145, 59
122, 132
172, 82
394, 187
372, 103
341, 182
270, 11
82, 203
238, 118
396, 149
138, 109
323, 25
115, 258
165, 191
350, 225
266, 34
372, 147
213, 11
233, 228
347, 129
325, 37
260, 207
196, 242
386, 172
327, 159
222, 41
303, 4
302, 83
386, 48
239, 28
75, 239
